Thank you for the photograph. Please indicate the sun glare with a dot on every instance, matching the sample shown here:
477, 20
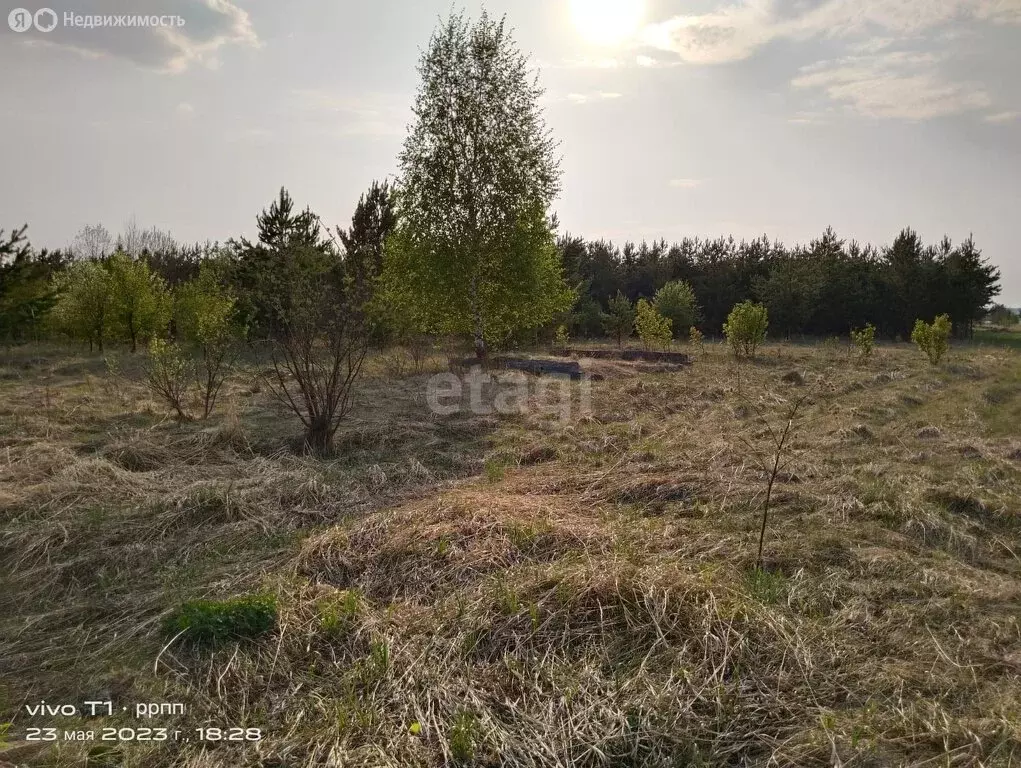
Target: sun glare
607, 22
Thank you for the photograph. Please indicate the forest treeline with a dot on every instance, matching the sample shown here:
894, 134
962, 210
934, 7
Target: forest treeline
824, 288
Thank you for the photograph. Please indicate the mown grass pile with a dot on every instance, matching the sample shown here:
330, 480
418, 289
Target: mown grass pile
522, 590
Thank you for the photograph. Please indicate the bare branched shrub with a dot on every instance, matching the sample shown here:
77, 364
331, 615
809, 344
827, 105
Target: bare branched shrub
774, 464
418, 348
395, 362
318, 355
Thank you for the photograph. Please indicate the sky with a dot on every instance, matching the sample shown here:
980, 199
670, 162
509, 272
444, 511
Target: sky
675, 117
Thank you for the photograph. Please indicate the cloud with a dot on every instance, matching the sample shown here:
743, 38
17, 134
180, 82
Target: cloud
735, 32
882, 76
1002, 117
893, 85
731, 33
587, 98
185, 109
209, 26
685, 183
873, 45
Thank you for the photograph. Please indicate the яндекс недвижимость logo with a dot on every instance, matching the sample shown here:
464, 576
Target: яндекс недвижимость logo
22, 20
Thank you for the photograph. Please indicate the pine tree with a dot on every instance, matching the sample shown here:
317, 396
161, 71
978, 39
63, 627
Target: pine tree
373, 220
260, 269
971, 283
620, 320
26, 294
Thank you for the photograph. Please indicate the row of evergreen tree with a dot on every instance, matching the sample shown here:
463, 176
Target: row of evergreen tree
825, 288
822, 289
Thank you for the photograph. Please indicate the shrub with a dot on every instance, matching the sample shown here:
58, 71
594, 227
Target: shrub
206, 319
933, 338
396, 362
167, 374
696, 338
318, 355
745, 328
653, 329
620, 321
561, 339
864, 341
676, 301
214, 621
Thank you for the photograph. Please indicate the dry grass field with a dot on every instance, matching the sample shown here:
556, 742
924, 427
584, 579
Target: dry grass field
520, 589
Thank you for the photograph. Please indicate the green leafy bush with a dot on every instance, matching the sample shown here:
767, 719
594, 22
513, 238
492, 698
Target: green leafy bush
168, 374
745, 328
215, 621
653, 329
933, 338
864, 341
676, 301
207, 320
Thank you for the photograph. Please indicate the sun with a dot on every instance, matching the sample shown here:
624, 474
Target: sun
607, 22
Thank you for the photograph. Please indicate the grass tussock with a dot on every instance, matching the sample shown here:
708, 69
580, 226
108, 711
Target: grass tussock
429, 548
